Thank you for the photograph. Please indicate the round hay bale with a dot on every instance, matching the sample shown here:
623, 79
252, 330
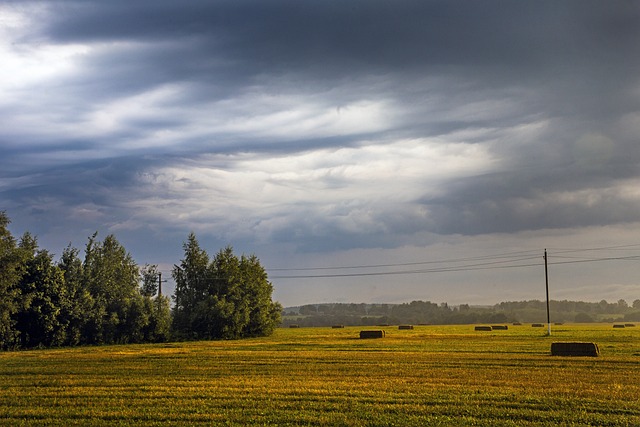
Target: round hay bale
294, 326
537, 325
499, 327
337, 326
629, 325
405, 327
618, 326
483, 328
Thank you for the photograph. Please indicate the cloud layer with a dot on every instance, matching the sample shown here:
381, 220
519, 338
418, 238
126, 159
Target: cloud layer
319, 128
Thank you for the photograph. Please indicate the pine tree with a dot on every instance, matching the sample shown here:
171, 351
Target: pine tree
191, 287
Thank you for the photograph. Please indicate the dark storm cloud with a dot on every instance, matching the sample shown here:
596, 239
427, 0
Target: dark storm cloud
581, 55
387, 34
96, 182
497, 204
445, 66
326, 132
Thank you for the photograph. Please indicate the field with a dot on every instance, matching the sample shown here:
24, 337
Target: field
431, 375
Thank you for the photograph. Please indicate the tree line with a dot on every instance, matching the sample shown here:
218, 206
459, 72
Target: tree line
426, 312
104, 297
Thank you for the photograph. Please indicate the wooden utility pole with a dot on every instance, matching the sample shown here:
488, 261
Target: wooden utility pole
546, 280
160, 283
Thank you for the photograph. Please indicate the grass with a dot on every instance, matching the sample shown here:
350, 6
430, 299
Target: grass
431, 375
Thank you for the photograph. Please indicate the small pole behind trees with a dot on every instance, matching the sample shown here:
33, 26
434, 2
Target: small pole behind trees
546, 280
160, 283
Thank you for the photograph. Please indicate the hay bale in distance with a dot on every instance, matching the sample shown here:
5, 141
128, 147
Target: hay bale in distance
337, 326
405, 327
630, 325
483, 328
575, 349
294, 326
499, 327
537, 325
618, 326
372, 334
517, 324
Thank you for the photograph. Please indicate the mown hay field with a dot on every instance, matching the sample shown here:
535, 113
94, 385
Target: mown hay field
430, 375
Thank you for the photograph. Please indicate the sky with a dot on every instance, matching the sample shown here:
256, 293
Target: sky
364, 150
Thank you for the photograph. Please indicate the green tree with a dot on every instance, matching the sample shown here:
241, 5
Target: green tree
159, 326
10, 272
264, 313
191, 278
149, 275
79, 310
156, 307
308, 309
42, 296
583, 318
111, 277
227, 297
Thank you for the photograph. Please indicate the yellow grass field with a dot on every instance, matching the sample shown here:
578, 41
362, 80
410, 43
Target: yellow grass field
431, 375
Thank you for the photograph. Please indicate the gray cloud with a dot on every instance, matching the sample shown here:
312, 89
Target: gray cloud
318, 126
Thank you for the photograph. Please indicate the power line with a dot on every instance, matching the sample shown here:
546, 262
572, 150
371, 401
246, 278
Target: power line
577, 261
469, 267
603, 248
497, 259
394, 273
404, 264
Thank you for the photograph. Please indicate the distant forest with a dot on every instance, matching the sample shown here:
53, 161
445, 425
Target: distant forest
425, 312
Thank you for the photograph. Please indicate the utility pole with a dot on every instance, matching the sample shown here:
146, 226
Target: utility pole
160, 283
546, 280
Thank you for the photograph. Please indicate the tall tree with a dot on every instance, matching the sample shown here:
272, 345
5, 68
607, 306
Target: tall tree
149, 276
227, 297
42, 296
156, 307
79, 311
111, 276
10, 272
264, 313
191, 278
